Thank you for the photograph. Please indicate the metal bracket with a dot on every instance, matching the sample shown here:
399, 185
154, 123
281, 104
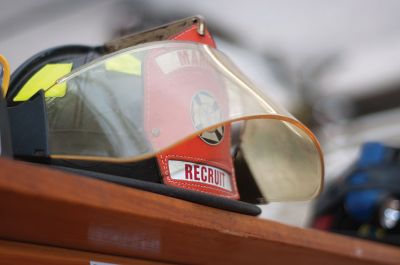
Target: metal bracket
156, 34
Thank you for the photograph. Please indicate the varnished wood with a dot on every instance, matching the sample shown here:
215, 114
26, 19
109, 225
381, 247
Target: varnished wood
14, 253
58, 209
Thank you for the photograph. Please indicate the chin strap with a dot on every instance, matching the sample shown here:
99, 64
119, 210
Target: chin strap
5, 74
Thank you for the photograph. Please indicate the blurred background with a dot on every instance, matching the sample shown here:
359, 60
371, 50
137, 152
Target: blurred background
334, 64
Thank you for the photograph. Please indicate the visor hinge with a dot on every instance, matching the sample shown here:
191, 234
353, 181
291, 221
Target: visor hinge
201, 25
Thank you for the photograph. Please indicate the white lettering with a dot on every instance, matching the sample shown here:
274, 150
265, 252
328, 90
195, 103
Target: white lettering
187, 171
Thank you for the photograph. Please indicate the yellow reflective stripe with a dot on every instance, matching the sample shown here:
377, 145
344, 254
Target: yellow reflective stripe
6, 75
43, 79
124, 63
58, 90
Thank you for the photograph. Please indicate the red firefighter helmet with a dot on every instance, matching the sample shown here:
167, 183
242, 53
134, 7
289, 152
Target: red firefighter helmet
165, 111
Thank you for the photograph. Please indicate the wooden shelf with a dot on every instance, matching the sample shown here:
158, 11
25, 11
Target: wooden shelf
53, 208
15, 253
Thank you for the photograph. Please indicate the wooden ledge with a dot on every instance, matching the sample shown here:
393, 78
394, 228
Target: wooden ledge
53, 208
15, 253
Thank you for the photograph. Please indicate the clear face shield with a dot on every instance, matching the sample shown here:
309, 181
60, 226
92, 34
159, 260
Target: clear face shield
142, 101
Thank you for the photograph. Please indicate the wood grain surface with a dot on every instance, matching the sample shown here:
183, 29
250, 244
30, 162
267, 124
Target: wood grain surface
53, 208
14, 253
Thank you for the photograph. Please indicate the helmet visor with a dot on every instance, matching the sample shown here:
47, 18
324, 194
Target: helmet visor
140, 101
